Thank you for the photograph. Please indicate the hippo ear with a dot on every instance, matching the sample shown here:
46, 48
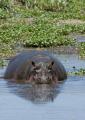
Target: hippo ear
33, 63
51, 64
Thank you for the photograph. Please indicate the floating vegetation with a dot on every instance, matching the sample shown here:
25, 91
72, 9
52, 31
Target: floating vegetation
80, 72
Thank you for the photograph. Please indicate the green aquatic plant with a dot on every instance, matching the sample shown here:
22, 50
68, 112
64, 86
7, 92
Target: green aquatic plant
82, 49
39, 34
1, 63
80, 72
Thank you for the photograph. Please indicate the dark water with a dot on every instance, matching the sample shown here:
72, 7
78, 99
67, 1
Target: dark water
63, 102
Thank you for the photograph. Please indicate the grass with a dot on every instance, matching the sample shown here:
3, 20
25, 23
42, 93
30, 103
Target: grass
36, 24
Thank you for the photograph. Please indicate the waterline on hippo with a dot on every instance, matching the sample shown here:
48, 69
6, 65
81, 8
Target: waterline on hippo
36, 67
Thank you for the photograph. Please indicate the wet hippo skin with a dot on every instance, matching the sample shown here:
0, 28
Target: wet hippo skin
35, 67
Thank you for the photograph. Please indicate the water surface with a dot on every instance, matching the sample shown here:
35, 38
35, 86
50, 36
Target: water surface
63, 102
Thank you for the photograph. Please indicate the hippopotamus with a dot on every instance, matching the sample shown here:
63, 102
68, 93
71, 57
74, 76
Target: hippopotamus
35, 66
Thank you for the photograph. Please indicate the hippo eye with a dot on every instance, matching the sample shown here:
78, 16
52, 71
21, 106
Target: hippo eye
50, 65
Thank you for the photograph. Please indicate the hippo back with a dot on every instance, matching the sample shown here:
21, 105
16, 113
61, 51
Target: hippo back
21, 63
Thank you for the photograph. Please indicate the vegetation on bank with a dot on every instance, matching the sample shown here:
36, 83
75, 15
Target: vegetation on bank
36, 23
60, 9
82, 49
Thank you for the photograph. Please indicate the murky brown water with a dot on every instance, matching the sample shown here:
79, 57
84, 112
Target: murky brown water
63, 102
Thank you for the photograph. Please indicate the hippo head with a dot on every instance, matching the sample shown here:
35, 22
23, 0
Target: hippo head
41, 72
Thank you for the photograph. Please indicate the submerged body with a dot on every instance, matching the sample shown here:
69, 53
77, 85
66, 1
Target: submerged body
35, 67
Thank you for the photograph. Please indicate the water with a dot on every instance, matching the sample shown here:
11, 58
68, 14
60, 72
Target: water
80, 38
63, 102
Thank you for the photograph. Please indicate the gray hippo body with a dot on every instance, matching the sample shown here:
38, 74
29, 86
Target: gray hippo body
35, 67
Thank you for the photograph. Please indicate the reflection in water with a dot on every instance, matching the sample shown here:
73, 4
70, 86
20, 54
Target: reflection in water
64, 101
38, 93
68, 98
